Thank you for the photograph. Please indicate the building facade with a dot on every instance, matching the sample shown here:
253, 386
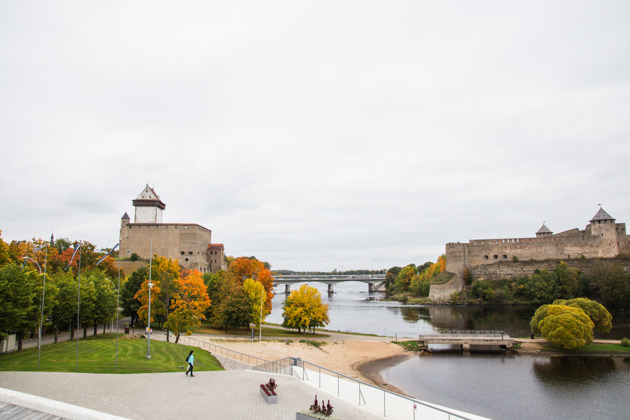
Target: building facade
188, 243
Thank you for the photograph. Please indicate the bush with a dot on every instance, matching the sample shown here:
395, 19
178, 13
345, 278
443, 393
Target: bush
625, 342
134, 257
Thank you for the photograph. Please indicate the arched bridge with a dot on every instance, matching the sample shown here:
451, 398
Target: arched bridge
375, 281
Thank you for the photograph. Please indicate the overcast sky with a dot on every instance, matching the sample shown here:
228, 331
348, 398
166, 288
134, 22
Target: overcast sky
315, 135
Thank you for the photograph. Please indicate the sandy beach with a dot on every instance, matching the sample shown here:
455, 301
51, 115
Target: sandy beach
359, 359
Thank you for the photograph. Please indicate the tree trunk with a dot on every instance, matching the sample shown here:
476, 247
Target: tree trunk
168, 333
104, 325
176, 338
20, 338
95, 328
84, 332
71, 331
56, 333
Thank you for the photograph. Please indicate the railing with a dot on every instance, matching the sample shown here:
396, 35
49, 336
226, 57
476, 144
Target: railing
469, 333
365, 394
282, 366
232, 354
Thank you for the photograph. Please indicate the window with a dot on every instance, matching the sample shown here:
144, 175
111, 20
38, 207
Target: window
485, 256
495, 256
505, 257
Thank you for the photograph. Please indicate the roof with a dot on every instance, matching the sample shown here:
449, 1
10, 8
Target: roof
543, 229
215, 246
601, 215
148, 198
125, 216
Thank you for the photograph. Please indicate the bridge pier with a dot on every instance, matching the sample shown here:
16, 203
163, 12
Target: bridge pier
287, 288
371, 288
331, 289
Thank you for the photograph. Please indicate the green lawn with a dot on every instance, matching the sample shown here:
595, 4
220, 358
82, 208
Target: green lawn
267, 331
98, 354
593, 348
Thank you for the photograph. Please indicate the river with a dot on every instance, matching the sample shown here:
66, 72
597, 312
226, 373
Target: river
495, 385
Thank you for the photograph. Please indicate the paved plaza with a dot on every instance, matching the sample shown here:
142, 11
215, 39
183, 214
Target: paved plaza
231, 394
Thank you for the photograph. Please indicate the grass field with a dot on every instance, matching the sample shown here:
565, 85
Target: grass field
98, 354
267, 331
593, 348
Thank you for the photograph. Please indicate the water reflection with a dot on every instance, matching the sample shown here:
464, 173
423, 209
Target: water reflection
573, 369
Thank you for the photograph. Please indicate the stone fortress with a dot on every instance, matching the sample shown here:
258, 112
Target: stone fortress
188, 243
601, 238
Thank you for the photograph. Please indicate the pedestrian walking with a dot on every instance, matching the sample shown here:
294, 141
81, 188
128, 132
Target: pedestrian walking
191, 363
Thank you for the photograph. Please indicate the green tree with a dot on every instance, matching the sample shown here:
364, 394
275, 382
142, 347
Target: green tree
128, 301
566, 281
602, 320
540, 288
405, 278
64, 308
235, 311
303, 309
567, 327
18, 306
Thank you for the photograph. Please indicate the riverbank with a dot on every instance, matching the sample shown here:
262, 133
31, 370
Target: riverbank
541, 347
362, 359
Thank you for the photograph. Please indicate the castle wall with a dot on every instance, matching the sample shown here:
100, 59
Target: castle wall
148, 214
606, 240
508, 270
185, 243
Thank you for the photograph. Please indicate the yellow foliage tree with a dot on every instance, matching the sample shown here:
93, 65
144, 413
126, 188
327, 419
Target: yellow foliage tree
255, 292
303, 309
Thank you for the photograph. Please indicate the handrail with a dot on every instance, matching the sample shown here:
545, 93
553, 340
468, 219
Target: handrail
468, 333
226, 352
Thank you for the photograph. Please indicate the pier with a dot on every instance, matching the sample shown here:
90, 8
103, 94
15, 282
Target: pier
468, 338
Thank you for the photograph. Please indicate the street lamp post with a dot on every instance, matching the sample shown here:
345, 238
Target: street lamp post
149, 315
41, 319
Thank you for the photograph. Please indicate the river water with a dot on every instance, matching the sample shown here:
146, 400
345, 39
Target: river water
495, 385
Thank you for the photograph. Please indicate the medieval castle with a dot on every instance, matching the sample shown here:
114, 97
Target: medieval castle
190, 244
601, 238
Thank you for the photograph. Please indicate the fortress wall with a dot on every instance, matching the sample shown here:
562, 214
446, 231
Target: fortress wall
490, 251
457, 257
508, 270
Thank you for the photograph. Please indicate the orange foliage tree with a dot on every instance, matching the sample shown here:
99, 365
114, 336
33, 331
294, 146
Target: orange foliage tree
190, 300
243, 268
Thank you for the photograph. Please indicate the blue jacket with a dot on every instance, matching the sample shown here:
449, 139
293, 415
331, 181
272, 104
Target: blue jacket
191, 359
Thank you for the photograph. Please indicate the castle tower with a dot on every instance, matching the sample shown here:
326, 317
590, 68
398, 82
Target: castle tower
603, 227
148, 206
543, 231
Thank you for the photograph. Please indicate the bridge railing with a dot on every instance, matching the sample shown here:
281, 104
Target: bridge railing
469, 333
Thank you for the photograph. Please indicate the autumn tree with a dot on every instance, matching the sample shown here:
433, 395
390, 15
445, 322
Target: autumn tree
190, 302
243, 268
303, 309
602, 320
255, 292
567, 327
